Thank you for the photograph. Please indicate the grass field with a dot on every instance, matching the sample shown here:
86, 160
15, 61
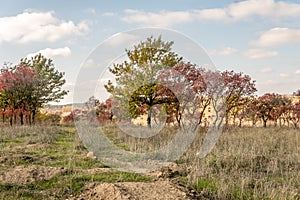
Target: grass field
50, 162
251, 163
58, 149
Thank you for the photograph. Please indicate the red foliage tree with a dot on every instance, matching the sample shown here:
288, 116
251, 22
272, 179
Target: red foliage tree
270, 107
294, 113
236, 87
15, 90
184, 86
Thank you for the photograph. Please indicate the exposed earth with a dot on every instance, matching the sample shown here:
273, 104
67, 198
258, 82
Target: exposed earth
162, 186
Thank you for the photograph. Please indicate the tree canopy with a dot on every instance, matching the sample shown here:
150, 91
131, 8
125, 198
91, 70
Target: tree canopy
136, 78
26, 87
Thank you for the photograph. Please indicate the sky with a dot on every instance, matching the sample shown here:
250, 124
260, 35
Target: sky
258, 37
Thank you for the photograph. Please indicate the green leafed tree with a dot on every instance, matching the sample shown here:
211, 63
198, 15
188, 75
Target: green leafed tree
136, 84
48, 83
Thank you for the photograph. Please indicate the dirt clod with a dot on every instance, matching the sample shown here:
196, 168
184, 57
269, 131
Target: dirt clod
29, 174
162, 189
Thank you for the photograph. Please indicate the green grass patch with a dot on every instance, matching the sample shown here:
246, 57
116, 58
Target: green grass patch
110, 177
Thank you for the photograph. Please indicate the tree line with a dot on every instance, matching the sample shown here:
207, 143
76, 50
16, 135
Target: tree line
27, 87
154, 76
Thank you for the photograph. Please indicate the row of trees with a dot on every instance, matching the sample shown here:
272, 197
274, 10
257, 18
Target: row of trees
26, 87
268, 107
243, 109
155, 76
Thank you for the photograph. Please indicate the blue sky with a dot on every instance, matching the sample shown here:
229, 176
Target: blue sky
258, 37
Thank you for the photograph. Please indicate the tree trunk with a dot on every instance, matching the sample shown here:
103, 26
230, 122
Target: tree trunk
15, 118
33, 117
3, 117
11, 119
226, 120
21, 118
253, 122
149, 118
265, 123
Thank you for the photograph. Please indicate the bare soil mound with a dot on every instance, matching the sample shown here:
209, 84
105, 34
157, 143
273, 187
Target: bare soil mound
29, 174
161, 189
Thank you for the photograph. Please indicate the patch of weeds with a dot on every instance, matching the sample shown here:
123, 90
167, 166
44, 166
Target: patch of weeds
110, 177
13, 191
59, 186
236, 193
204, 184
206, 187
87, 163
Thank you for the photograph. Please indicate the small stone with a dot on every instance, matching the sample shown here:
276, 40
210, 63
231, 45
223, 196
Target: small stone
91, 155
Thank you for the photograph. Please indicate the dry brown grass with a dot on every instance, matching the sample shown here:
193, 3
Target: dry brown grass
246, 163
250, 163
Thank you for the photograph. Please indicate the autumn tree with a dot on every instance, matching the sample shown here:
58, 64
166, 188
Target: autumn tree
136, 78
16, 86
251, 110
189, 87
104, 112
283, 103
48, 83
26, 87
268, 107
294, 113
237, 86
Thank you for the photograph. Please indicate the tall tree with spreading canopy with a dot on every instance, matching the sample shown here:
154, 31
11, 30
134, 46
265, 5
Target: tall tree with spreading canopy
28, 86
136, 78
48, 83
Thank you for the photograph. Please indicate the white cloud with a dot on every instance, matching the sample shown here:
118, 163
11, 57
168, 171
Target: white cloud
211, 14
163, 18
298, 71
263, 8
267, 9
50, 53
278, 36
284, 75
121, 38
223, 52
38, 26
260, 53
266, 70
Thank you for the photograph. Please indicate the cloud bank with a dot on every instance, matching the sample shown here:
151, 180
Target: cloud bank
267, 9
38, 27
50, 53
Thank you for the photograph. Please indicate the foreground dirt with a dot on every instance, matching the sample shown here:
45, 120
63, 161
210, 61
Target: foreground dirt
161, 189
29, 174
